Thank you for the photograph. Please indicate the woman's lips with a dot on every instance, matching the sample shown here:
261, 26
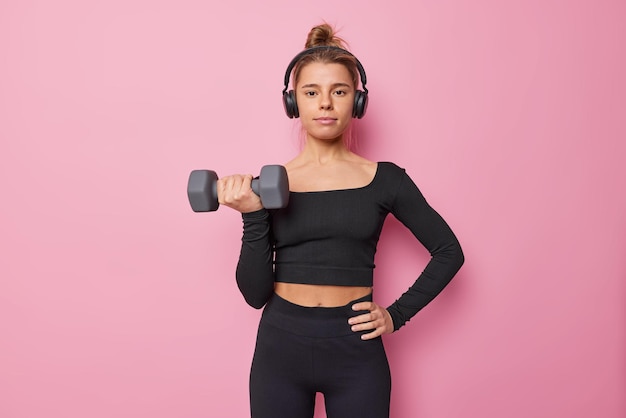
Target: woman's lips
325, 120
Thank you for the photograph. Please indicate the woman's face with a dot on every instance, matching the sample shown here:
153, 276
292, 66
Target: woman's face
325, 97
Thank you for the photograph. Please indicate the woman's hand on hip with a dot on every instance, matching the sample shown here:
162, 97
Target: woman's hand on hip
236, 192
377, 319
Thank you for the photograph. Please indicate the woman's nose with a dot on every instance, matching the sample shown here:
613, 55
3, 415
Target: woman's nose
325, 101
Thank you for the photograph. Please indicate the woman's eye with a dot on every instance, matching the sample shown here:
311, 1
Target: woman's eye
340, 93
309, 93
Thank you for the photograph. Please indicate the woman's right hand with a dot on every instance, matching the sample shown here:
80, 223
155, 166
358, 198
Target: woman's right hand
236, 192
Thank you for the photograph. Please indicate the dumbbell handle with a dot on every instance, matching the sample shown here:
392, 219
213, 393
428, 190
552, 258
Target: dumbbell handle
254, 185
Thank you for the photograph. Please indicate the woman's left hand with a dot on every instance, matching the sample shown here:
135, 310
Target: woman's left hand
377, 319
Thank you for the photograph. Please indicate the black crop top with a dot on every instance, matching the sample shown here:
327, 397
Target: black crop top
330, 238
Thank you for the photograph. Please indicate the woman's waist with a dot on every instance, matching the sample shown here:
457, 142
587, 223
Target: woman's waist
320, 295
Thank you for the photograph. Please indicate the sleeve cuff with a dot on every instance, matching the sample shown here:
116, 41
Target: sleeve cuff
257, 215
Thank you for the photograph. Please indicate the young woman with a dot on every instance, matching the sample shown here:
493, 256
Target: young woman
311, 263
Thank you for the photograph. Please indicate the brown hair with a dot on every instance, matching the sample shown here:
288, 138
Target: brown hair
324, 35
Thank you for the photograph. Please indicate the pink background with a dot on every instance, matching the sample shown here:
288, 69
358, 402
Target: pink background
116, 300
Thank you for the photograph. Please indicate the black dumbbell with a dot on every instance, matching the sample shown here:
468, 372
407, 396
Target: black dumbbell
272, 187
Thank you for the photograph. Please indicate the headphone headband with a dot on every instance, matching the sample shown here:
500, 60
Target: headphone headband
314, 49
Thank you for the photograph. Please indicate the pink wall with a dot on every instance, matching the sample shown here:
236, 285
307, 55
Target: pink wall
116, 300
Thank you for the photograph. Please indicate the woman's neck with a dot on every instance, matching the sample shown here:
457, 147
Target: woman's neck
324, 152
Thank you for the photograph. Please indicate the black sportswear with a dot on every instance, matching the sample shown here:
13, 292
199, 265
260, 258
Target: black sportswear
330, 237
304, 350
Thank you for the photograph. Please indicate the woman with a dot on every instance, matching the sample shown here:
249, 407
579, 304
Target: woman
311, 263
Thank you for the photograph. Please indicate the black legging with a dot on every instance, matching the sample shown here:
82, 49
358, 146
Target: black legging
303, 350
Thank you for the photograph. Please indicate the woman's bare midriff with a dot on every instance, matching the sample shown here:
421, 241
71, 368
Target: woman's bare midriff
314, 295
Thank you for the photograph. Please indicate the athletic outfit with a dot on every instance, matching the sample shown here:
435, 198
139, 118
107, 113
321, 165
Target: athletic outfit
330, 238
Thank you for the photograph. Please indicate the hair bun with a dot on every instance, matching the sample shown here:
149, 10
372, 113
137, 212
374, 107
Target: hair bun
323, 35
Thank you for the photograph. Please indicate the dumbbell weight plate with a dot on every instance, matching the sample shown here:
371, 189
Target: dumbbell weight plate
272, 186
202, 191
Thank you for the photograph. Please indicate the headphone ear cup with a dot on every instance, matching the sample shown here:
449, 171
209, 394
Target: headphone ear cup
360, 104
289, 102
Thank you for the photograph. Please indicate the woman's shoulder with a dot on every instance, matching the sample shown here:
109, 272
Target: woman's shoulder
369, 167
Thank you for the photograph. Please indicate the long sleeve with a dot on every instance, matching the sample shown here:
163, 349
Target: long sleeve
255, 273
433, 232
